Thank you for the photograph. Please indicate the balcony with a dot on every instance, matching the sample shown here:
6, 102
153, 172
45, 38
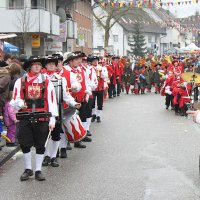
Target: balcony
29, 20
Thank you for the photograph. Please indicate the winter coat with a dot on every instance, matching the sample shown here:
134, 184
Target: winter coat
5, 80
9, 114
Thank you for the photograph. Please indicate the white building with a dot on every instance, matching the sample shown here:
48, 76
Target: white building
116, 40
27, 17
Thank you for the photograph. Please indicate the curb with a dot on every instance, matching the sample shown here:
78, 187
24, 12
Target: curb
9, 155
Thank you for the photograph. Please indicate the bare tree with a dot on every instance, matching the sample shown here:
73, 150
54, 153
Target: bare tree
25, 22
108, 17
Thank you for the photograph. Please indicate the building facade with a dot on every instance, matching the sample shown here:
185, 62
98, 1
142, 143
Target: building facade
28, 17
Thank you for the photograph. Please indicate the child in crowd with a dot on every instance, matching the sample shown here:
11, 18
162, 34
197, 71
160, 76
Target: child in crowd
10, 120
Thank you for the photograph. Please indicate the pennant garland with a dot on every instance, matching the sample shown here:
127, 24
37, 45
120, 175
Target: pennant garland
147, 3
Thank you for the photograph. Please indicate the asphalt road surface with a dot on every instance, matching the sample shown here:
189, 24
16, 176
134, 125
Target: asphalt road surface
140, 151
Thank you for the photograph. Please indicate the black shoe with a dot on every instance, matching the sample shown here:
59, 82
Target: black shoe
114, 95
63, 153
54, 162
27, 173
39, 176
0, 148
46, 161
58, 154
118, 95
79, 145
15, 144
93, 118
110, 97
98, 120
89, 133
69, 147
167, 107
87, 139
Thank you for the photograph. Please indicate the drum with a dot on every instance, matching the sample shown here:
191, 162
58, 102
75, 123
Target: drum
73, 128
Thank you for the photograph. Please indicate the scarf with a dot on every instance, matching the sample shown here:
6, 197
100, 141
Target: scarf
31, 77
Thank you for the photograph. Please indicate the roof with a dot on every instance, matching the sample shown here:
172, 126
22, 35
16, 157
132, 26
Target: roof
135, 15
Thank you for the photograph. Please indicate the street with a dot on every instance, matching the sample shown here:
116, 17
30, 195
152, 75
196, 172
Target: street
140, 151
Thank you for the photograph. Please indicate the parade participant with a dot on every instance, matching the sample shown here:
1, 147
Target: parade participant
142, 79
73, 62
33, 92
157, 78
86, 61
102, 75
184, 94
74, 86
121, 73
148, 74
83, 113
63, 95
127, 76
176, 85
167, 90
113, 79
135, 80
176, 67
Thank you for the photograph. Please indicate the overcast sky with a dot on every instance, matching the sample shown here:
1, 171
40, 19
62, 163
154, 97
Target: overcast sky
185, 10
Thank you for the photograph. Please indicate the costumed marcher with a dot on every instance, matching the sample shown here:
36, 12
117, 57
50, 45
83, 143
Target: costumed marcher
93, 85
127, 76
167, 90
102, 75
142, 79
157, 78
73, 64
148, 75
113, 78
33, 92
62, 95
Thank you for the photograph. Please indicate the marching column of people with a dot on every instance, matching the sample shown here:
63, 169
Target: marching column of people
60, 95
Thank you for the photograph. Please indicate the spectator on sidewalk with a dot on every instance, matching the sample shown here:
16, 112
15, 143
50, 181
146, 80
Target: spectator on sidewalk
10, 120
1, 129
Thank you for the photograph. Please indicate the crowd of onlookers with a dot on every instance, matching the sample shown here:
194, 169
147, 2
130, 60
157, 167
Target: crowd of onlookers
10, 70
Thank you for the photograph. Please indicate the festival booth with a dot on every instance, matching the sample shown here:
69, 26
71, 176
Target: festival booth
191, 47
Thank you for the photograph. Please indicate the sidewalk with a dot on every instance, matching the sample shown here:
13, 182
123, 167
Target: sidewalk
7, 152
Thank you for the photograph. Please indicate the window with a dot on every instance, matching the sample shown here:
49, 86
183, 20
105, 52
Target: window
149, 39
115, 38
16, 4
33, 4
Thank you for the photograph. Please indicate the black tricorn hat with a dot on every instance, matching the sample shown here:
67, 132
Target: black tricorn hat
31, 60
58, 56
50, 59
94, 58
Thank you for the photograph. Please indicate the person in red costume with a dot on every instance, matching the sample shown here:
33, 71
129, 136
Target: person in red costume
176, 67
113, 78
34, 92
167, 90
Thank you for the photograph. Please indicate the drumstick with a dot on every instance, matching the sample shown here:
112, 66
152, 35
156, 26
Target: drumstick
47, 138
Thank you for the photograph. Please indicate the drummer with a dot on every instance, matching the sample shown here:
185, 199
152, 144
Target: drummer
53, 144
34, 89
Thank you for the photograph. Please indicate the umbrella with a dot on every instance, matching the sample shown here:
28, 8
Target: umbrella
9, 48
4, 36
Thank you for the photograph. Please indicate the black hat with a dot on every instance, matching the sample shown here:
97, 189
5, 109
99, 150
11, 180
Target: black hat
108, 55
94, 58
32, 59
158, 64
80, 54
115, 57
71, 56
58, 56
51, 59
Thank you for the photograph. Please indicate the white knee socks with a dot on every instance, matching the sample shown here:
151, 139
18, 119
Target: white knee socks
38, 161
27, 160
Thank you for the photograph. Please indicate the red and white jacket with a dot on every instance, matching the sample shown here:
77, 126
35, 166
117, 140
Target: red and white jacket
102, 76
67, 98
83, 94
33, 88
